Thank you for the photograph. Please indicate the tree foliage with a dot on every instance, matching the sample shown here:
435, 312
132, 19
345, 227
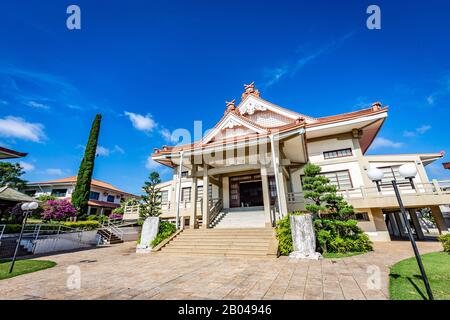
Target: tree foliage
322, 195
151, 200
10, 174
80, 196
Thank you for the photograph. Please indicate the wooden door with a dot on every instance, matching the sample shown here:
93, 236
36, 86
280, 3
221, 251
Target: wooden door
235, 199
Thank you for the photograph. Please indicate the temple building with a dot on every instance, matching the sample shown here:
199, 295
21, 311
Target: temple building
247, 171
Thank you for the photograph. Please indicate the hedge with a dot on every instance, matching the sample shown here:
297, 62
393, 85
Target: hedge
82, 225
445, 240
166, 229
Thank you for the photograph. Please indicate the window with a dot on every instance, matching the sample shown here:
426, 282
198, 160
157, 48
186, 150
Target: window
59, 192
392, 173
184, 174
361, 216
337, 153
340, 179
93, 211
186, 194
110, 198
164, 196
94, 195
199, 192
30, 193
107, 212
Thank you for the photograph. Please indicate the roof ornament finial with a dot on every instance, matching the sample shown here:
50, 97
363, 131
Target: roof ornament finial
250, 89
376, 106
230, 105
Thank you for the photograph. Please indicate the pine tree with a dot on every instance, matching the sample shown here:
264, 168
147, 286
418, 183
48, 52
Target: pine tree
80, 196
323, 195
151, 201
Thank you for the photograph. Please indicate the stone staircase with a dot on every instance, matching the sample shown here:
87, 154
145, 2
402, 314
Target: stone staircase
252, 217
109, 236
248, 242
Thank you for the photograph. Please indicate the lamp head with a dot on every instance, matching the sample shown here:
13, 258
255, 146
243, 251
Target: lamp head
33, 205
24, 206
408, 170
375, 174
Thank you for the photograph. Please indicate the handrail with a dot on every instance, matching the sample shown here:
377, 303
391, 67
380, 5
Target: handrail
216, 208
2, 228
111, 227
420, 188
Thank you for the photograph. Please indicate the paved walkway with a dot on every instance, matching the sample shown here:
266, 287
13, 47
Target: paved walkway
118, 273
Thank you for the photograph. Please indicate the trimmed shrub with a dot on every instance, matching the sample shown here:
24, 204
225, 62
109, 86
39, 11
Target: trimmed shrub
166, 229
340, 236
445, 240
283, 231
83, 225
12, 228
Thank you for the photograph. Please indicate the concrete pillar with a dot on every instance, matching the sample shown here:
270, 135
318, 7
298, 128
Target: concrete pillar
266, 193
282, 192
205, 206
439, 218
226, 192
416, 223
194, 196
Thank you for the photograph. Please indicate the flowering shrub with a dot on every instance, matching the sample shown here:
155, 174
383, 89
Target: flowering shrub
58, 210
115, 216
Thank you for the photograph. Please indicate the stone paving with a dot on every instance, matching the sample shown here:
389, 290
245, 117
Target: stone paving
117, 272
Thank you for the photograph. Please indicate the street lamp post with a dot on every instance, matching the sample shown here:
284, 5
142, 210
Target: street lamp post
27, 207
408, 171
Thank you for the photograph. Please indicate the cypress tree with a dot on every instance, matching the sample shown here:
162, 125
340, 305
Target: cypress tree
80, 196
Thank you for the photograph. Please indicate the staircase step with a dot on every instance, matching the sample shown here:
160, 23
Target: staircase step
216, 251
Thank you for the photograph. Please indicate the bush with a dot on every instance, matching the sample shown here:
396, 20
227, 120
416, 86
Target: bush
284, 236
83, 225
445, 240
166, 229
94, 217
12, 228
58, 210
341, 236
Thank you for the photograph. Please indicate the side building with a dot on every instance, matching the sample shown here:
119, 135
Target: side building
103, 198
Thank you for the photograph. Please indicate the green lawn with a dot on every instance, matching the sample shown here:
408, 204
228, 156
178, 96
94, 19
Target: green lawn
335, 255
405, 282
23, 266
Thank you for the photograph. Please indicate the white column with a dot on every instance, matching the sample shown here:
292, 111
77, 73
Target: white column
266, 193
194, 195
282, 204
205, 206
180, 170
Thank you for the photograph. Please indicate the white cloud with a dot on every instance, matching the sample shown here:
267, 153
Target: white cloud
140, 122
420, 130
37, 105
274, 75
118, 149
102, 151
423, 129
15, 127
430, 100
4, 102
54, 171
381, 142
151, 164
27, 167
409, 134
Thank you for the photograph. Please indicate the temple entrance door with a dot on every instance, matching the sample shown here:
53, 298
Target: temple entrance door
251, 194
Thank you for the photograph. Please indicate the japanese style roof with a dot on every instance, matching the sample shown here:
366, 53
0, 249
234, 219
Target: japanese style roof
10, 194
97, 203
73, 180
9, 154
256, 118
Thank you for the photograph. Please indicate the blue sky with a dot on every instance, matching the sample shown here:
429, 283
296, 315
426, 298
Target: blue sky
150, 67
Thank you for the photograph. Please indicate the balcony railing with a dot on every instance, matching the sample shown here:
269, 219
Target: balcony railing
430, 188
